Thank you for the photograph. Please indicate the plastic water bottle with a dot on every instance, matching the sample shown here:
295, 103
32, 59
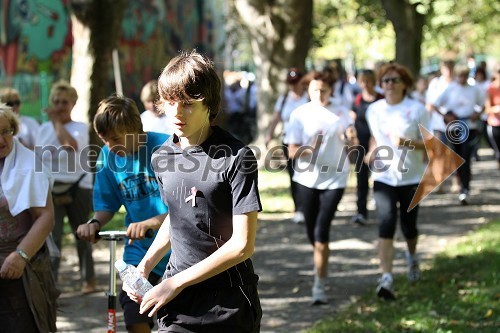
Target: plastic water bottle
132, 278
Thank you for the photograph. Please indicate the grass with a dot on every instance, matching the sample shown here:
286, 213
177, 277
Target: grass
459, 293
274, 189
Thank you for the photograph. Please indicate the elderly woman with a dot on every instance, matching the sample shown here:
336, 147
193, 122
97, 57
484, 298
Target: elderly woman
28, 294
64, 143
28, 127
397, 163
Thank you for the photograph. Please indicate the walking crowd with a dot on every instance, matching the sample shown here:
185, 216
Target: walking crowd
196, 183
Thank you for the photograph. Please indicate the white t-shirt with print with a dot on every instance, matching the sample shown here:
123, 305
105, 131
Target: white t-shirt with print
329, 168
394, 165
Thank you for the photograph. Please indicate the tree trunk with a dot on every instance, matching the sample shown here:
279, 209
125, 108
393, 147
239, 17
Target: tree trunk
100, 28
408, 25
280, 32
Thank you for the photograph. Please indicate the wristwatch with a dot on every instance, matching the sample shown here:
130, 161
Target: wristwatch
23, 255
95, 221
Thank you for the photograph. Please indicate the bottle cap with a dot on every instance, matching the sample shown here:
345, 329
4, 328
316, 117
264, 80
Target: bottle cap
120, 265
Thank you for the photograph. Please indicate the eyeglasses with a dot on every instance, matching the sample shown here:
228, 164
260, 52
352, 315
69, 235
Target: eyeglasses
13, 103
393, 80
6, 132
60, 101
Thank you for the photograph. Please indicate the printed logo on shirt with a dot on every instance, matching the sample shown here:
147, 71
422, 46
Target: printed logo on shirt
138, 187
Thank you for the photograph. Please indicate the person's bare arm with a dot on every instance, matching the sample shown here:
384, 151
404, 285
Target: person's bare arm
64, 137
87, 232
488, 108
236, 250
43, 222
158, 249
137, 230
272, 126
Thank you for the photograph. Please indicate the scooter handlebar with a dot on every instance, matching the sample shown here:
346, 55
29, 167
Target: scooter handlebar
117, 234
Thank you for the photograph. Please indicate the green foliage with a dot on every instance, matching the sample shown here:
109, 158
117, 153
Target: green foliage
459, 293
463, 27
359, 28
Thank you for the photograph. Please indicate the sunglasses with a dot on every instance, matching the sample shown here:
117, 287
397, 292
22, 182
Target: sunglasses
393, 80
13, 103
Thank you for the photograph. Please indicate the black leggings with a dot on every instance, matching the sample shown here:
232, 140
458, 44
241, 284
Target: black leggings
290, 167
386, 200
464, 150
319, 207
362, 176
494, 136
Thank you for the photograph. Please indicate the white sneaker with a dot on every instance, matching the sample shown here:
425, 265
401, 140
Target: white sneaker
319, 295
385, 289
463, 198
298, 217
414, 272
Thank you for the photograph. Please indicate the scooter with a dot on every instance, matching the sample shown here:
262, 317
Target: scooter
113, 237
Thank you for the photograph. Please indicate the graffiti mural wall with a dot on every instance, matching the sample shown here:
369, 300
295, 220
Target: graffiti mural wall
36, 41
35, 46
153, 31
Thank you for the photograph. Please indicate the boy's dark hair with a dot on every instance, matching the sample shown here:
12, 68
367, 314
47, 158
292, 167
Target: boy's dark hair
190, 76
118, 115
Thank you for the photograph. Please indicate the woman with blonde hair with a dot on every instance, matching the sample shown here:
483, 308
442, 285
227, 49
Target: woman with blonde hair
63, 149
28, 301
28, 127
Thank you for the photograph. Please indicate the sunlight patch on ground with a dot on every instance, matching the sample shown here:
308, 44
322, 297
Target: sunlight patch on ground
351, 244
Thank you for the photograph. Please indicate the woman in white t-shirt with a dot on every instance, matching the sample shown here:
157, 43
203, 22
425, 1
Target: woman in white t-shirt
285, 105
397, 163
317, 141
65, 150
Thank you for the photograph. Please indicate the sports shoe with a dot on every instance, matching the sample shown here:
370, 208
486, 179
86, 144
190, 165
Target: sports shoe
463, 198
385, 289
359, 220
319, 295
414, 272
298, 217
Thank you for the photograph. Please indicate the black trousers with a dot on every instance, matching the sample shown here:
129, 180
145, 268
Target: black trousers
465, 150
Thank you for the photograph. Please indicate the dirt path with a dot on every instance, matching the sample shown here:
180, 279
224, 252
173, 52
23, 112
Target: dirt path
283, 259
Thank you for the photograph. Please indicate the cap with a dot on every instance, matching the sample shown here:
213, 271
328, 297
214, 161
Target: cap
294, 75
120, 265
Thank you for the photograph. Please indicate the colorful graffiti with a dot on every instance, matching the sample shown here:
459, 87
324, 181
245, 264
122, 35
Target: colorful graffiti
153, 31
35, 35
35, 47
36, 41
